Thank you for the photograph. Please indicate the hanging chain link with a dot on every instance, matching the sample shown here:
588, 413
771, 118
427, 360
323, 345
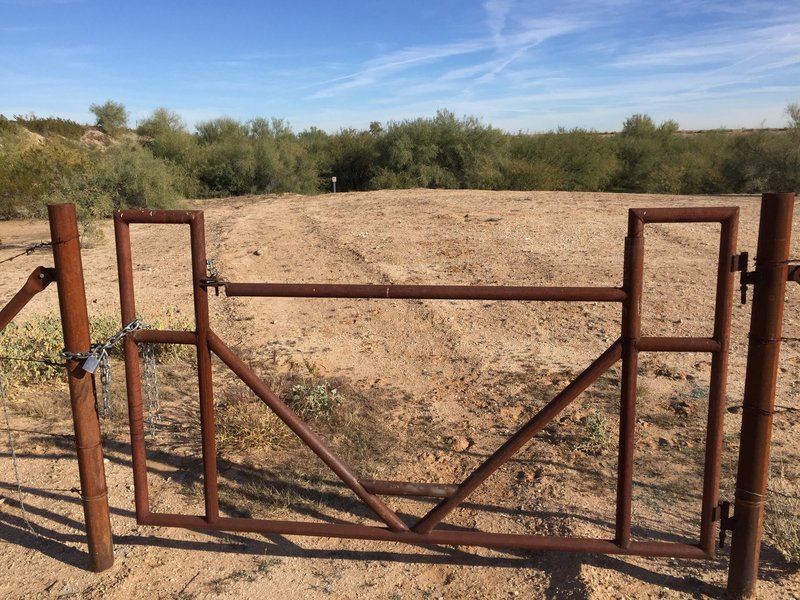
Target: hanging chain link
152, 401
20, 496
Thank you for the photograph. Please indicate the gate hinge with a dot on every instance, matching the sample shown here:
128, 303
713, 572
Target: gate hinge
213, 283
722, 513
740, 263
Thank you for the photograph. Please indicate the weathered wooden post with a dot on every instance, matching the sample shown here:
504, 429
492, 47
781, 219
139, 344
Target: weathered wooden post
75, 325
769, 287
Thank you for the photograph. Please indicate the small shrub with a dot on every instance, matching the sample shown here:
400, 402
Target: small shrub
22, 347
595, 436
314, 402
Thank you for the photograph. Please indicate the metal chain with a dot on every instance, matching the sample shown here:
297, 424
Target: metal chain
211, 267
97, 356
96, 350
152, 401
20, 495
105, 384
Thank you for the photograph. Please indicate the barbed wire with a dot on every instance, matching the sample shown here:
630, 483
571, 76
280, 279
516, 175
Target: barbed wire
29, 250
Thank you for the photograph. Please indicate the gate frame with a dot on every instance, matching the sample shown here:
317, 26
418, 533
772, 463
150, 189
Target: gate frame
625, 348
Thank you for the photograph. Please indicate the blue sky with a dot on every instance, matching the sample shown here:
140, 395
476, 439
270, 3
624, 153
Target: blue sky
516, 65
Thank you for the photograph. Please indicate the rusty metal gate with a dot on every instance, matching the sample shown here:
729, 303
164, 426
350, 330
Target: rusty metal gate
772, 271
425, 530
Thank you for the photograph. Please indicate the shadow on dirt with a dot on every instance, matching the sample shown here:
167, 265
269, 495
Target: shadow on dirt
566, 571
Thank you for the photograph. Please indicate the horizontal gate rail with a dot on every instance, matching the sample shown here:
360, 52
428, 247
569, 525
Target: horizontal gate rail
430, 528
425, 292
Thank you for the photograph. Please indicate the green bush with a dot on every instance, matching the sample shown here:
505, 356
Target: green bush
165, 135
126, 176
50, 126
111, 117
29, 177
575, 160
22, 346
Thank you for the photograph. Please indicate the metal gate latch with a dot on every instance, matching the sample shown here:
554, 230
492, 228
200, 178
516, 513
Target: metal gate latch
722, 514
746, 278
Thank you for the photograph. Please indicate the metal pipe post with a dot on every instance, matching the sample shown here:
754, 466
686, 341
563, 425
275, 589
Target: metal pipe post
75, 325
633, 275
759, 391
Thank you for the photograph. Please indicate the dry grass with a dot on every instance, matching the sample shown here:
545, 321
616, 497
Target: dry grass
782, 519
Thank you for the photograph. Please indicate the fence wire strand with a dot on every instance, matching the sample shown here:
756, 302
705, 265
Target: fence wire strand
20, 495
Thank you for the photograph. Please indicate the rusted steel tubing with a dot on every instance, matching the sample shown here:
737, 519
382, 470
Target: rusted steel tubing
425, 292
164, 336
133, 383
771, 270
408, 488
677, 344
36, 282
75, 326
454, 538
520, 438
299, 427
633, 274
702, 214
718, 384
205, 385
157, 217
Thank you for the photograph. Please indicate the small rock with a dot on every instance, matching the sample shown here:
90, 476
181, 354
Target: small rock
257, 252
459, 443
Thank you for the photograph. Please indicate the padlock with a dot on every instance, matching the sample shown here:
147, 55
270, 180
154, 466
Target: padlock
90, 364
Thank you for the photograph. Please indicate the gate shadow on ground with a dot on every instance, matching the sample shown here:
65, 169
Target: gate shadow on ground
565, 570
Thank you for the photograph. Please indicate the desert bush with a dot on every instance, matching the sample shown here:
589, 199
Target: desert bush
29, 177
575, 160
111, 117
443, 152
24, 346
282, 162
353, 159
648, 156
126, 176
50, 126
165, 135
7, 125
224, 160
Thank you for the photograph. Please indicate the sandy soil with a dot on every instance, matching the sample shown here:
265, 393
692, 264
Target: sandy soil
440, 385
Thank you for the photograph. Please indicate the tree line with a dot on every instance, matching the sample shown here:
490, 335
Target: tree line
160, 161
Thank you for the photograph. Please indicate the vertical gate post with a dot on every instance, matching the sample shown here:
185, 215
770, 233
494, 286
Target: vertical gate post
75, 325
769, 287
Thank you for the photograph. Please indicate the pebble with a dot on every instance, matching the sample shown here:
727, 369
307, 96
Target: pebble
460, 443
